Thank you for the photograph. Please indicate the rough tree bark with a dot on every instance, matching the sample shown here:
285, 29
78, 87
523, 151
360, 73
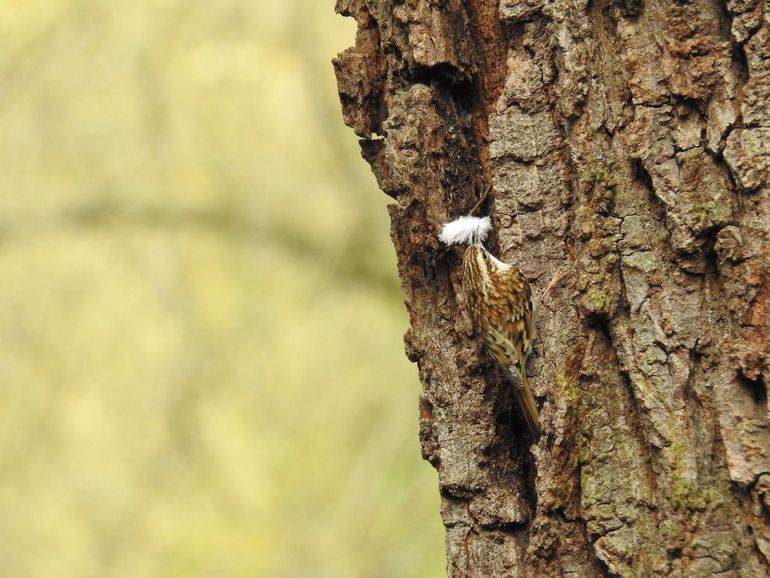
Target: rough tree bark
630, 141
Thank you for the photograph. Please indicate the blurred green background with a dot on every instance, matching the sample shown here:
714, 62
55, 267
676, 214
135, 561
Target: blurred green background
201, 364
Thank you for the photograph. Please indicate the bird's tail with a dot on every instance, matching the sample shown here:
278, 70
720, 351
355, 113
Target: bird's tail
528, 407
524, 398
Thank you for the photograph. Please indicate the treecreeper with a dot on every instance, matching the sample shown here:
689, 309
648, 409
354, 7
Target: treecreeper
498, 299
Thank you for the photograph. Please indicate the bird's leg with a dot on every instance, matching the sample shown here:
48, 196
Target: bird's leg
558, 277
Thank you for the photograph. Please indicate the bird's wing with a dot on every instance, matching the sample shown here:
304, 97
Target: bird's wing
504, 350
512, 331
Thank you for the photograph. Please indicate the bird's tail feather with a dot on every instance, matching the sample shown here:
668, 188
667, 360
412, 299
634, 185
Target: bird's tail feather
528, 407
525, 399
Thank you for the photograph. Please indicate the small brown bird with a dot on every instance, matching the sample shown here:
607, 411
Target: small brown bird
499, 302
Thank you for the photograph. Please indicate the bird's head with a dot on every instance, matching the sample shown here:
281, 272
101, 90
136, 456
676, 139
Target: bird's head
483, 260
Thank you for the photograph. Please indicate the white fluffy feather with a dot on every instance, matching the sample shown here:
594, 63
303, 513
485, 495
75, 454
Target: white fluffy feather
466, 230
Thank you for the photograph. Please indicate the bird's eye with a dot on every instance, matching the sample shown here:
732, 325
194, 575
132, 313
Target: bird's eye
484, 256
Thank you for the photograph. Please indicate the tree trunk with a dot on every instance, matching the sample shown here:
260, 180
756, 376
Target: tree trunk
630, 142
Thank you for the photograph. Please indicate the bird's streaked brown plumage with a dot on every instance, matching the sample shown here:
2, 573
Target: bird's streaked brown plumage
499, 302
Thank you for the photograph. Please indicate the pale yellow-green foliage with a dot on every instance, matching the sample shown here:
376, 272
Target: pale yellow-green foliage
201, 364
